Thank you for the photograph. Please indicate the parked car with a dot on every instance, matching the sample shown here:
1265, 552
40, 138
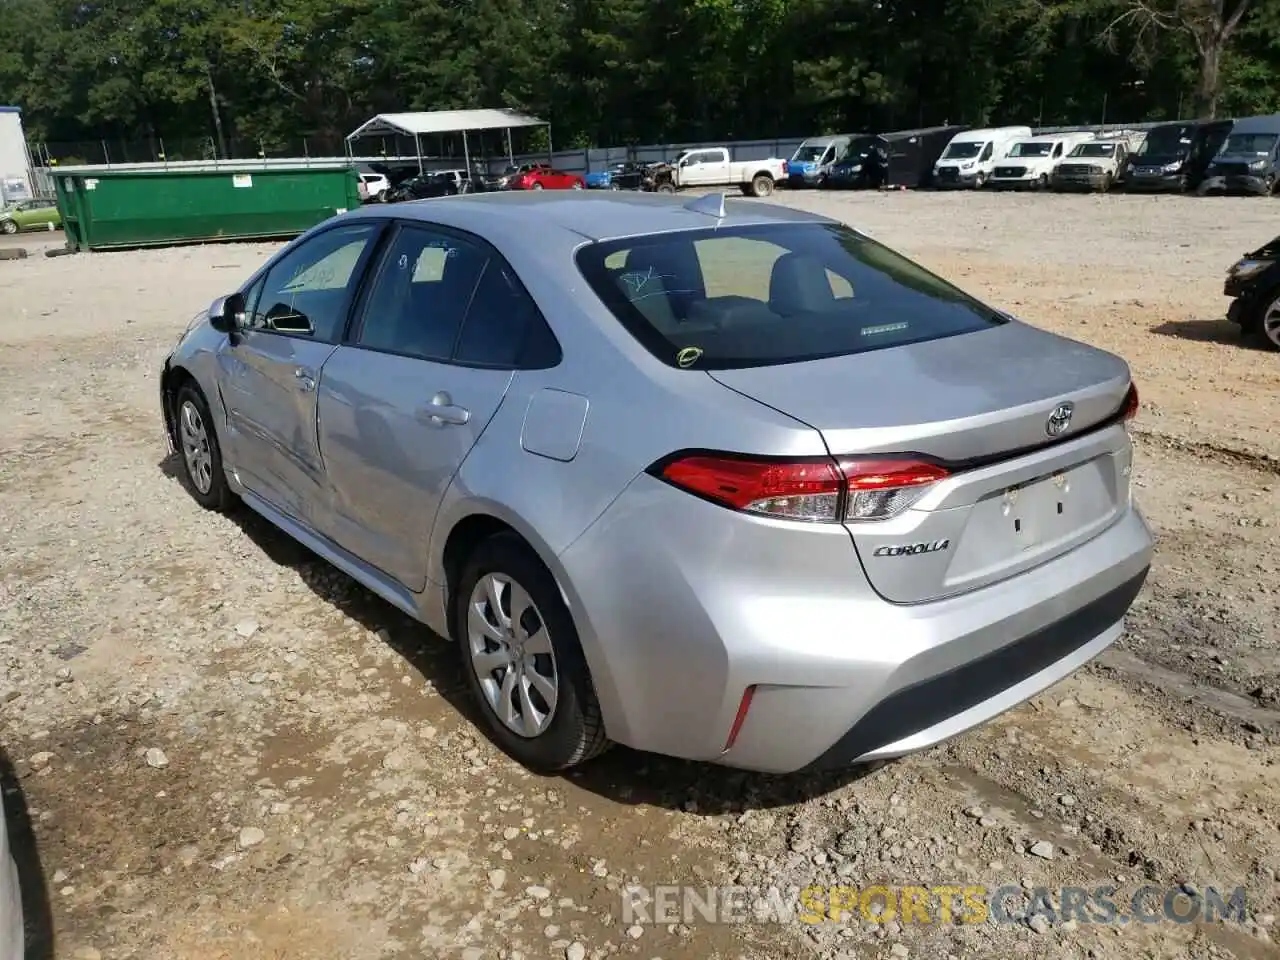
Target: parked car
1029, 163
436, 183
1253, 284
12, 935
812, 159
373, 187
35, 214
711, 167
603, 179
900, 159
545, 178
1175, 156
1249, 161
724, 481
1095, 165
972, 155
638, 176
503, 180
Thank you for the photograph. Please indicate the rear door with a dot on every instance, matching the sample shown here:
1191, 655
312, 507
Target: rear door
294, 319
404, 400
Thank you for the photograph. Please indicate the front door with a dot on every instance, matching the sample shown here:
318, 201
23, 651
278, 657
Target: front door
270, 369
402, 404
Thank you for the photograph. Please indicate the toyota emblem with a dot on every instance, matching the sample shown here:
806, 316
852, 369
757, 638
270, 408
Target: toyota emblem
1059, 420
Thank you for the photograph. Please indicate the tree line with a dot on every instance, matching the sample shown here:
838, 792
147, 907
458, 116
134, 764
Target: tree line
616, 72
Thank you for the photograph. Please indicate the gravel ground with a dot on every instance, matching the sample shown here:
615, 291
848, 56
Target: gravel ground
227, 749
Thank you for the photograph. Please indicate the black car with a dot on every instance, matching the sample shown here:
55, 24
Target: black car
638, 176
1253, 283
448, 183
1175, 156
898, 159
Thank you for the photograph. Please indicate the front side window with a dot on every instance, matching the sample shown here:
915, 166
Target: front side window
308, 291
423, 289
781, 293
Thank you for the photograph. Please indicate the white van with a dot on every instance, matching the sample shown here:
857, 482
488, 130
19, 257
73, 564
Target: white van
1029, 163
972, 155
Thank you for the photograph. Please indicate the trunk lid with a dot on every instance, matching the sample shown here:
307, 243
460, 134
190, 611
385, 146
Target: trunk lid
980, 402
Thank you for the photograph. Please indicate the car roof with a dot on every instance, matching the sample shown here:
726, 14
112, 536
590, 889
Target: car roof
579, 215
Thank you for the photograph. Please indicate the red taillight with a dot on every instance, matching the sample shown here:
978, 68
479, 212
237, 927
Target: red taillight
879, 489
1131, 403
816, 489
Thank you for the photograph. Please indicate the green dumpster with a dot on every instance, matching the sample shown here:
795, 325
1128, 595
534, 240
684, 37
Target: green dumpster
137, 205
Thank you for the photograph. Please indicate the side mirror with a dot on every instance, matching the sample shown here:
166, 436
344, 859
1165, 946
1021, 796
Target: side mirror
226, 314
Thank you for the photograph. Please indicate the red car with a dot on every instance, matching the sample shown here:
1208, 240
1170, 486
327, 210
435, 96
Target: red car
542, 177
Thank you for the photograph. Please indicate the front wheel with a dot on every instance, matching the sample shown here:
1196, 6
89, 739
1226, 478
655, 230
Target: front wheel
537, 186
1108, 181
197, 443
523, 661
979, 181
761, 185
1265, 326
576, 186
666, 187
1043, 182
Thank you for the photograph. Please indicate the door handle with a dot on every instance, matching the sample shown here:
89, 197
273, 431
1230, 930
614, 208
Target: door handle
442, 410
306, 380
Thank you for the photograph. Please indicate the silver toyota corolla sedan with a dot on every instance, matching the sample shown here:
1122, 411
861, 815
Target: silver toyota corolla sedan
720, 480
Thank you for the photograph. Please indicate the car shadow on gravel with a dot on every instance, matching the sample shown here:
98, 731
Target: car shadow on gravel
622, 775
36, 909
1217, 330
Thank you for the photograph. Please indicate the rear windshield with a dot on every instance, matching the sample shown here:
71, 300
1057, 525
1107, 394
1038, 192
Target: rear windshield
778, 293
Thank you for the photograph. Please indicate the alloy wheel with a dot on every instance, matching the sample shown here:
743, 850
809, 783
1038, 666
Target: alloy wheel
195, 447
1271, 323
511, 655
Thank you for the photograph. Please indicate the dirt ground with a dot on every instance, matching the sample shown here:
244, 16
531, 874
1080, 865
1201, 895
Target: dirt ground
226, 749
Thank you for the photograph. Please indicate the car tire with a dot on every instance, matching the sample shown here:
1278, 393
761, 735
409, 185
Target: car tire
979, 181
614, 186
1108, 181
761, 185
1263, 328
665, 187
536, 186
1043, 182
9, 227
197, 442
562, 734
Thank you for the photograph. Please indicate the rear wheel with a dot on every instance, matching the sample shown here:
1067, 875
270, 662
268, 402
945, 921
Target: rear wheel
523, 662
9, 227
614, 186
761, 185
576, 186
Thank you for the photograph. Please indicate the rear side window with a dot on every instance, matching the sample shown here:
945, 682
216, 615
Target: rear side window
778, 293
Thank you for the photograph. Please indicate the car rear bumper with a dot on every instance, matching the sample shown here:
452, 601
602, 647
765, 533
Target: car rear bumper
690, 604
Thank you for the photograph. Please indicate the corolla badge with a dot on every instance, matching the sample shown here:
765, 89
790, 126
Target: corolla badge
1060, 419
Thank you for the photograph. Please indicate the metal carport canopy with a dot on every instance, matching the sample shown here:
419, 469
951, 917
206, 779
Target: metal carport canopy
444, 121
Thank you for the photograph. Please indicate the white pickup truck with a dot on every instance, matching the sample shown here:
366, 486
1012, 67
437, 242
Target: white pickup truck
711, 167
